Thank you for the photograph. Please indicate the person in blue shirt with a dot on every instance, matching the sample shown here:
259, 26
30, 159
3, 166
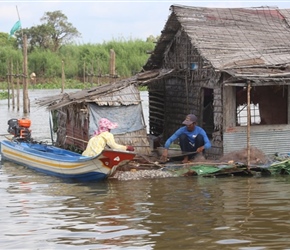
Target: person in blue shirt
192, 138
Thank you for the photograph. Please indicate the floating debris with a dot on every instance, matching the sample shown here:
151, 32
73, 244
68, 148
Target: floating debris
232, 164
142, 174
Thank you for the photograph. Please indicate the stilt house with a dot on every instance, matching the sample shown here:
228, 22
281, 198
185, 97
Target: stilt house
231, 68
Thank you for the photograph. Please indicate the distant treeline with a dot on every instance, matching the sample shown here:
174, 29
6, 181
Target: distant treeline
78, 60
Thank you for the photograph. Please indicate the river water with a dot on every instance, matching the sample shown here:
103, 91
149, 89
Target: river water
43, 212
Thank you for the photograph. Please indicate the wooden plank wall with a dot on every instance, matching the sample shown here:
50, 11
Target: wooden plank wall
182, 91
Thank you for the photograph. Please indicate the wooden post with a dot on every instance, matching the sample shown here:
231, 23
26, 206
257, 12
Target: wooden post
25, 79
112, 63
8, 83
92, 73
12, 85
98, 72
248, 124
18, 92
62, 76
84, 72
186, 89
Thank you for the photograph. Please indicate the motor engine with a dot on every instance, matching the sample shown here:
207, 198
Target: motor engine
19, 128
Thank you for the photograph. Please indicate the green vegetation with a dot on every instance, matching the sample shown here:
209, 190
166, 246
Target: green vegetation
53, 32
51, 52
3, 95
79, 60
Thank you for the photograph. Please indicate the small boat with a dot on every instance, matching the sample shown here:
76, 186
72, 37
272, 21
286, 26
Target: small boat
51, 160
63, 163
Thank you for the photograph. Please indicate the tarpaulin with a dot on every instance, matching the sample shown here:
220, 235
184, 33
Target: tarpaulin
129, 118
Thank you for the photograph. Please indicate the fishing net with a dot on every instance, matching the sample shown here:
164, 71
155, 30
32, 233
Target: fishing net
256, 156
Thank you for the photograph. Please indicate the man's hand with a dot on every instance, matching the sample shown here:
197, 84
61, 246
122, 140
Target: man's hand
130, 148
164, 155
200, 149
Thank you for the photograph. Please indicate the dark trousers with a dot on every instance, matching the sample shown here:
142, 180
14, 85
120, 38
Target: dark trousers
187, 146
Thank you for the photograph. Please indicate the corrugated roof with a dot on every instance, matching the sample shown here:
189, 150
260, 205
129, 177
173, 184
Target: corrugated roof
122, 92
231, 38
113, 94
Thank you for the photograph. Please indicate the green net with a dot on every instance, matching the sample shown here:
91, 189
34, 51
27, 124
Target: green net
197, 169
282, 167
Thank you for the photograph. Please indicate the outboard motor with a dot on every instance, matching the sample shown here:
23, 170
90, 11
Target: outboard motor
19, 128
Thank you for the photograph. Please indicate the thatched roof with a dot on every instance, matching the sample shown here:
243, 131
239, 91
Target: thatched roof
245, 42
122, 92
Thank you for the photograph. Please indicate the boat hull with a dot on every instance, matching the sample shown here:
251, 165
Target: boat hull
64, 163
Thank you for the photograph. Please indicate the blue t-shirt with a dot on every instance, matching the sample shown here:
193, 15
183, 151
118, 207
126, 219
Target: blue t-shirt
191, 136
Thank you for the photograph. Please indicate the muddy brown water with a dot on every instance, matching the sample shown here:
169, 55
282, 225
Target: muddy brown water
43, 212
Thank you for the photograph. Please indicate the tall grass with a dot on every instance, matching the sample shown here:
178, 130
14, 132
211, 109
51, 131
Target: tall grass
81, 63
88, 59
9, 55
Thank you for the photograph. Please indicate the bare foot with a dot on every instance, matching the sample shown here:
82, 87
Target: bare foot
185, 159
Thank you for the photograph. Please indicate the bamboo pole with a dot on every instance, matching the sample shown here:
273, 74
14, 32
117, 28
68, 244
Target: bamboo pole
189, 164
62, 76
19, 19
98, 72
8, 83
112, 63
84, 72
18, 86
92, 74
77, 139
25, 80
12, 84
248, 124
186, 89
25, 94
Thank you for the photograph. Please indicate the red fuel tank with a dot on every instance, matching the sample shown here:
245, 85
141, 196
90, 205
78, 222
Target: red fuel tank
25, 123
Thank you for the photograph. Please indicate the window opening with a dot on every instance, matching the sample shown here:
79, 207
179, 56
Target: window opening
242, 114
269, 105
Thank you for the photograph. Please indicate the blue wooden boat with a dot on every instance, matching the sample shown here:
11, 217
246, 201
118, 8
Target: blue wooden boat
63, 163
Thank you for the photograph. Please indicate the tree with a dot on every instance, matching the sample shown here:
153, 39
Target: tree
54, 32
5, 40
59, 29
37, 37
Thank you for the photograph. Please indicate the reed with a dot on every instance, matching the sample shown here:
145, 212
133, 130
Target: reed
86, 61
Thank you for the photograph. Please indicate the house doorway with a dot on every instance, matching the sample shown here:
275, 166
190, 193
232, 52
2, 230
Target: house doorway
207, 122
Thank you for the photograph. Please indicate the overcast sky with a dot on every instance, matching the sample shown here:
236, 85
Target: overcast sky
100, 21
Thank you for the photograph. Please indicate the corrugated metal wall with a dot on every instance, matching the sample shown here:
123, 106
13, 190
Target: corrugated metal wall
270, 142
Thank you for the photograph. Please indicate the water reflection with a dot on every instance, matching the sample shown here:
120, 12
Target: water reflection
75, 213
44, 212
172, 213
